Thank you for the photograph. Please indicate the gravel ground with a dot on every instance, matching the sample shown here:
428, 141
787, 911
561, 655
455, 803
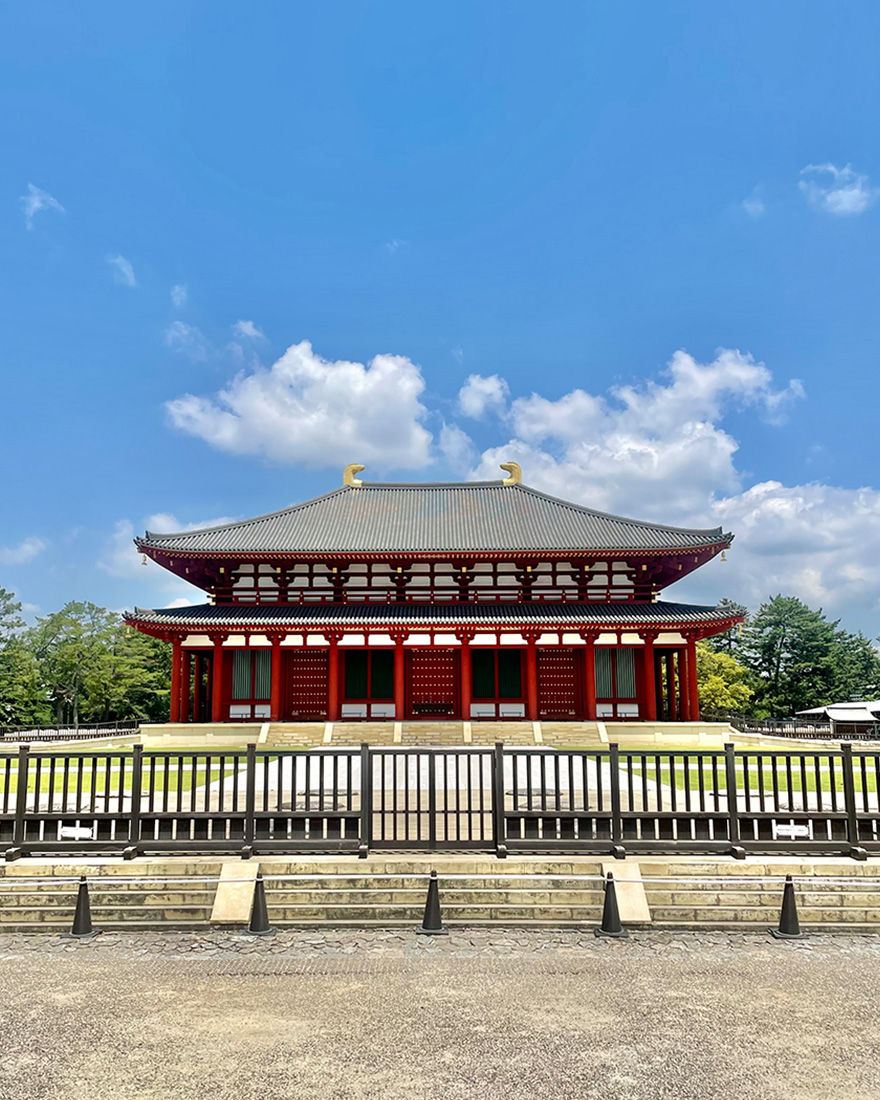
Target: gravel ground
481, 1013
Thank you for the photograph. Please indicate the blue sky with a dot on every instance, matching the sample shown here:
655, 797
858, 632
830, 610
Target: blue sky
486, 230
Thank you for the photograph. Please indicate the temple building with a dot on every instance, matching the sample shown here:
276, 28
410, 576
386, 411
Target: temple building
407, 601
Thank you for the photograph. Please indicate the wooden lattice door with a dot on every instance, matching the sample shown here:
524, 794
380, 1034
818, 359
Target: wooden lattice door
557, 683
432, 683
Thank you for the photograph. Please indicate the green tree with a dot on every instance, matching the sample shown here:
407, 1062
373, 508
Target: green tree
730, 641
856, 668
22, 700
791, 649
723, 683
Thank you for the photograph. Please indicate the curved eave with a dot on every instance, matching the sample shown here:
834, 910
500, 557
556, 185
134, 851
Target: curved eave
356, 618
157, 551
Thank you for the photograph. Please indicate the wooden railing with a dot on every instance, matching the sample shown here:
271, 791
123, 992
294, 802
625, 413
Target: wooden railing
435, 594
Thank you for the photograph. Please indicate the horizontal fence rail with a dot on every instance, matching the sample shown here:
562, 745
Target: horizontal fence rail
501, 800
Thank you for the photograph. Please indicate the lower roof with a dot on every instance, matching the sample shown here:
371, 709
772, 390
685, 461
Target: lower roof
349, 616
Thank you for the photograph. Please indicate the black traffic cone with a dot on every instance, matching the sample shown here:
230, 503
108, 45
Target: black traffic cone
789, 926
259, 922
82, 916
611, 925
432, 923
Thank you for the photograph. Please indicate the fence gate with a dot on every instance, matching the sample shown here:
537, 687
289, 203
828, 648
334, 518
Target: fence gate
431, 798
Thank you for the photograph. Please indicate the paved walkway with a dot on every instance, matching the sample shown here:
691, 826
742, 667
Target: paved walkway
519, 1015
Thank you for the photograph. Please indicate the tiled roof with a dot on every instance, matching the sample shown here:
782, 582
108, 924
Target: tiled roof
293, 617
429, 518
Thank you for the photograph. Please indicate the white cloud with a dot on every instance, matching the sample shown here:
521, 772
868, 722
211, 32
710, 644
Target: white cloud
123, 272
36, 200
839, 191
178, 295
317, 412
186, 339
119, 557
458, 353
480, 395
754, 205
457, 448
660, 451
26, 551
248, 329
394, 245
180, 601
657, 449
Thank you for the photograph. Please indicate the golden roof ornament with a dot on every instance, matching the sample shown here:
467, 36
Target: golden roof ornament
348, 474
515, 473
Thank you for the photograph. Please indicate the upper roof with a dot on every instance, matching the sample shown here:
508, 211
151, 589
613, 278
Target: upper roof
482, 516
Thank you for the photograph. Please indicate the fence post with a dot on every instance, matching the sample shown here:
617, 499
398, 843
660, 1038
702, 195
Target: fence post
500, 840
366, 802
134, 817
736, 849
21, 792
250, 802
849, 797
617, 849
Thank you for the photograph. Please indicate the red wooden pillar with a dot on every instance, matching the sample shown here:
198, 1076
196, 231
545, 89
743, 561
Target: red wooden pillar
650, 684
185, 683
333, 678
399, 677
466, 676
693, 690
531, 678
217, 680
174, 712
590, 678
198, 666
684, 702
275, 688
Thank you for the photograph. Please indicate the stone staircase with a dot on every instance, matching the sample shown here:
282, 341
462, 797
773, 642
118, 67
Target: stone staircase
747, 895
295, 735
581, 735
389, 890
510, 732
121, 895
439, 733
479, 892
355, 733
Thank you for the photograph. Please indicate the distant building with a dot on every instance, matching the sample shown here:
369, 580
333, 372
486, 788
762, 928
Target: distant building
467, 601
847, 719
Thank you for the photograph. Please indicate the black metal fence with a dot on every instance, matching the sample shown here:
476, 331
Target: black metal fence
496, 800
61, 732
807, 731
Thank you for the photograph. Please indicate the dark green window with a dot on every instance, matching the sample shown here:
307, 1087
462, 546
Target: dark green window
509, 674
382, 675
356, 673
604, 673
615, 673
496, 674
369, 675
251, 674
483, 673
